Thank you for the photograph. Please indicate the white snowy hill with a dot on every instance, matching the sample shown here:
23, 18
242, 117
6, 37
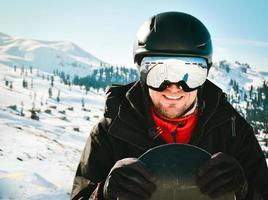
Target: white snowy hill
38, 158
221, 73
47, 55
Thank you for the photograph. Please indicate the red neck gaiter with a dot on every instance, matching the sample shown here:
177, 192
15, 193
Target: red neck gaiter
178, 130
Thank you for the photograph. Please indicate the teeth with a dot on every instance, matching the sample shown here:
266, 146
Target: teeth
171, 97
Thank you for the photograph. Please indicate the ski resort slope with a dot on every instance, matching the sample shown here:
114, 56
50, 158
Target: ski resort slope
39, 157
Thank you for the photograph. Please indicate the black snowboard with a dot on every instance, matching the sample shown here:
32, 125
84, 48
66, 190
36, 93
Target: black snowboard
175, 166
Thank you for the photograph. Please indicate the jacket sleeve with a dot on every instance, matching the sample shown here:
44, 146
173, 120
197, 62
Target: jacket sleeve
251, 157
95, 163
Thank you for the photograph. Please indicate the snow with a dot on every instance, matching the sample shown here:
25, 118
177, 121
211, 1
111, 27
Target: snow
245, 79
39, 158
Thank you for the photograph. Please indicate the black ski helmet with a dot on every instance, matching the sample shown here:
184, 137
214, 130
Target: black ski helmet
173, 34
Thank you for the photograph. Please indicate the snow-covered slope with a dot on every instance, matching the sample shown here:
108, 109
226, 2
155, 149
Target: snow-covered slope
46, 55
222, 72
38, 158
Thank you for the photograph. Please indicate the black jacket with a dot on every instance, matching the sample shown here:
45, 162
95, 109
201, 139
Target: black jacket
127, 130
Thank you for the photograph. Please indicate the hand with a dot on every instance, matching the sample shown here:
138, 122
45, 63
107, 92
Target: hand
220, 175
129, 179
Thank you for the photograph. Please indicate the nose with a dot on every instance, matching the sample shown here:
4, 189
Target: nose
173, 87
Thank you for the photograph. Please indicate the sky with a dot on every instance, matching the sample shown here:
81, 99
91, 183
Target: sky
107, 29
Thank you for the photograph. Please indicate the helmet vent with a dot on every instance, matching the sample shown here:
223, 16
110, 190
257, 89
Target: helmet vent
202, 46
140, 43
152, 25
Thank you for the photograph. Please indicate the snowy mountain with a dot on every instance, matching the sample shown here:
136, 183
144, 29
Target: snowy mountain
221, 73
47, 55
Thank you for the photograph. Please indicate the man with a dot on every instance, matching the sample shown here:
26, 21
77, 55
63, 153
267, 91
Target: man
171, 103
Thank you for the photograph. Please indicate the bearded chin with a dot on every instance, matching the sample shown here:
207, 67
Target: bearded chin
171, 111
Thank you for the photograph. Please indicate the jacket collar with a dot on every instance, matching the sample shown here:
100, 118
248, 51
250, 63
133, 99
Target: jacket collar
133, 120
212, 110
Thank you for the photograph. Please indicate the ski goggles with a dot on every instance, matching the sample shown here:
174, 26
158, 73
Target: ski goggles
187, 72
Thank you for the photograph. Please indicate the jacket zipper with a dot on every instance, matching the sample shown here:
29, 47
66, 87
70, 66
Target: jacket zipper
233, 132
202, 129
173, 134
233, 126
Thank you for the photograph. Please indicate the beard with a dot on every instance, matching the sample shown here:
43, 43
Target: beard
172, 111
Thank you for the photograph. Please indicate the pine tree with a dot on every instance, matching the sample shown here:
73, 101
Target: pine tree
83, 102
33, 113
21, 110
50, 92
10, 85
52, 81
245, 96
231, 82
250, 91
32, 83
227, 69
58, 96
24, 83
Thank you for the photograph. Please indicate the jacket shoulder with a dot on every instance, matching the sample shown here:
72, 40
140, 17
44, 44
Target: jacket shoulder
114, 97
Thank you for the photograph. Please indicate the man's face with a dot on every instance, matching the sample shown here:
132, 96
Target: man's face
173, 101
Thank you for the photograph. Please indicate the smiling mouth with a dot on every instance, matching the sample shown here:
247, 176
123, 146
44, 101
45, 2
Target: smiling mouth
173, 97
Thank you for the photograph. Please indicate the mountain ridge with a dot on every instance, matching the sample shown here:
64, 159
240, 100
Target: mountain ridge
47, 55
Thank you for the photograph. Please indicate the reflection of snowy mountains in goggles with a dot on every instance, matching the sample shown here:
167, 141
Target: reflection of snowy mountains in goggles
188, 72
